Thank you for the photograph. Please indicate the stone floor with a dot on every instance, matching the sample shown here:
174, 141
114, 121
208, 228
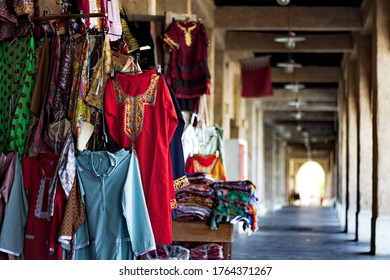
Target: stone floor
300, 233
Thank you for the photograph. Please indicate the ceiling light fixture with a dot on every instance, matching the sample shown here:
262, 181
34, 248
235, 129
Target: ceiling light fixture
289, 66
283, 2
297, 103
298, 115
291, 40
294, 87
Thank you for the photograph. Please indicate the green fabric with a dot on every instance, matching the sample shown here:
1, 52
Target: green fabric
17, 64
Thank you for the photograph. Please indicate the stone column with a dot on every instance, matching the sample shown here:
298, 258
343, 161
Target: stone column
365, 142
342, 148
352, 147
268, 167
219, 74
381, 133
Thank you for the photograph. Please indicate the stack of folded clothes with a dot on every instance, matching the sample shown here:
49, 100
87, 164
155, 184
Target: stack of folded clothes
235, 201
169, 252
196, 201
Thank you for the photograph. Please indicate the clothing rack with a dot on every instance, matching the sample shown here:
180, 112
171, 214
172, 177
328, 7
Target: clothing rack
68, 16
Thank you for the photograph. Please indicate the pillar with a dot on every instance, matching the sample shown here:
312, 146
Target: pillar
268, 166
381, 133
352, 147
218, 87
365, 142
342, 148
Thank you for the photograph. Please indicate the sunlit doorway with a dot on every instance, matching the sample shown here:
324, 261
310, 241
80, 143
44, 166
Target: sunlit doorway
310, 184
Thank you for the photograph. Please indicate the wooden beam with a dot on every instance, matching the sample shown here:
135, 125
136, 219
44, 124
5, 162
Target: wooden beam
304, 95
277, 18
284, 106
264, 42
307, 75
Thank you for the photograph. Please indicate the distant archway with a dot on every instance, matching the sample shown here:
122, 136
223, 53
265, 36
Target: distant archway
310, 184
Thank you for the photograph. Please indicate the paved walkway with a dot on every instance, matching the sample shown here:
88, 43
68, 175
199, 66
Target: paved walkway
300, 233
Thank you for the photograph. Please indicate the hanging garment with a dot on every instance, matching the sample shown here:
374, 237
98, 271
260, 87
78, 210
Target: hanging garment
117, 226
12, 230
188, 72
202, 140
7, 173
114, 19
46, 115
139, 113
74, 217
211, 165
256, 77
42, 228
17, 66
180, 179
101, 74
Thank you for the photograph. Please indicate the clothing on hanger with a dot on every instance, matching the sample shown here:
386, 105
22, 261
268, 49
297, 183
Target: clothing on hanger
140, 115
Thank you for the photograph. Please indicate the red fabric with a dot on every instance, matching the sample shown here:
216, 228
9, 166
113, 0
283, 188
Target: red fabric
188, 72
42, 234
151, 143
256, 78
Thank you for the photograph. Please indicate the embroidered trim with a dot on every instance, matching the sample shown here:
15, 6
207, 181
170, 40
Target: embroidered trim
38, 208
187, 33
171, 42
173, 204
181, 183
134, 109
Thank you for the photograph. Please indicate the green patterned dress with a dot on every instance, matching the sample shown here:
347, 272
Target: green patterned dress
17, 64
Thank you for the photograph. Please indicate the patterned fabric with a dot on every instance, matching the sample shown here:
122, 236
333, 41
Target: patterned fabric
76, 70
82, 112
23, 7
74, 215
95, 94
17, 65
67, 165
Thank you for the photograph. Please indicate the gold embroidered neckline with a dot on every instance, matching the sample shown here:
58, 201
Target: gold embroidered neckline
134, 107
187, 32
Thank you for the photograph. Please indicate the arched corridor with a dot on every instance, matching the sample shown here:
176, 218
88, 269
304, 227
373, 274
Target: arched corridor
301, 233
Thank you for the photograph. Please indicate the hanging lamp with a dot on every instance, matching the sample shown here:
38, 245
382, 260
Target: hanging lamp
291, 39
296, 87
289, 66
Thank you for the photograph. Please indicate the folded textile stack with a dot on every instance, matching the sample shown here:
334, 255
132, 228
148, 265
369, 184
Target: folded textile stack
169, 252
196, 200
210, 251
235, 201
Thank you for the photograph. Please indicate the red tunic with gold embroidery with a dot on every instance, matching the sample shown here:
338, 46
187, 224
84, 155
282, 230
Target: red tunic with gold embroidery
139, 113
188, 73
